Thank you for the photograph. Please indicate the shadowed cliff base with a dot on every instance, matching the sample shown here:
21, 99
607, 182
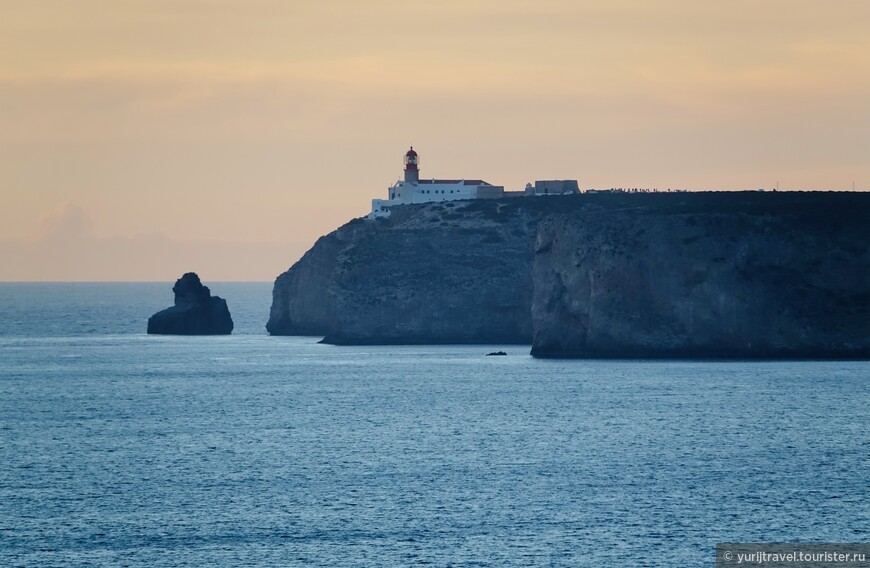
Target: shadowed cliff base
684, 275
421, 340
759, 355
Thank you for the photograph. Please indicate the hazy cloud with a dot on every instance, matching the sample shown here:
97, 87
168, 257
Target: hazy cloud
68, 249
213, 121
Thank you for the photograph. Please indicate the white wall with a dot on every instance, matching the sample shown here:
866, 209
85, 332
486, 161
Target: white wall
404, 193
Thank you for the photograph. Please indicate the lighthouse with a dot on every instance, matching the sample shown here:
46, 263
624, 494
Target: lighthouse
414, 190
412, 172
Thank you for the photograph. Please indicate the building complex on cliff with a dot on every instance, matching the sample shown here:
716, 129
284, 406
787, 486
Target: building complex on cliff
412, 189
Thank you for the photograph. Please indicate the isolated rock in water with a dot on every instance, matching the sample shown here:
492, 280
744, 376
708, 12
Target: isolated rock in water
496, 354
196, 311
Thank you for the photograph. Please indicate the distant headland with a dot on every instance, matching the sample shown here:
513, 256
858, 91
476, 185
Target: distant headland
605, 274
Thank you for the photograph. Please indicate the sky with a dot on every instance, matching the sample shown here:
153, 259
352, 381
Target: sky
140, 139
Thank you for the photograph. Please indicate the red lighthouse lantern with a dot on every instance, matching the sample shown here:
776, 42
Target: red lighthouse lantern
412, 172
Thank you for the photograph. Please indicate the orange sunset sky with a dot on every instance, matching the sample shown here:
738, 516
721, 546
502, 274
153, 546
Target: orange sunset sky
140, 139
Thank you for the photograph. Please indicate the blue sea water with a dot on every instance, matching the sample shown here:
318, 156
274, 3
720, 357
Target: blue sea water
122, 449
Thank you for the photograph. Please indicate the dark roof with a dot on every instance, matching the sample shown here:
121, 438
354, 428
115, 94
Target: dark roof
411, 152
454, 181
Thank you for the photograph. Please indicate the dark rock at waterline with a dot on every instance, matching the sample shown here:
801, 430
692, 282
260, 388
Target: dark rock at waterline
196, 311
496, 354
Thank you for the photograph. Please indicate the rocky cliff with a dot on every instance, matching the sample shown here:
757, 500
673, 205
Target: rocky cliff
628, 275
741, 275
458, 272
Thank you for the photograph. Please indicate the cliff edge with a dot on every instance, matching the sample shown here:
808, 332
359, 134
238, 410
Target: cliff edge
716, 275
709, 274
455, 272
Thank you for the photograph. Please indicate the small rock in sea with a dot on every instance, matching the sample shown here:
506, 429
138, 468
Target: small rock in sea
196, 311
496, 353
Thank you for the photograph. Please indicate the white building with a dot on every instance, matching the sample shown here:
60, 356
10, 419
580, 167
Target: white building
553, 187
414, 190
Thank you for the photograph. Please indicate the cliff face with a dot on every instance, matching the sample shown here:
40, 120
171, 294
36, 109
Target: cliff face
706, 275
458, 272
302, 301
613, 275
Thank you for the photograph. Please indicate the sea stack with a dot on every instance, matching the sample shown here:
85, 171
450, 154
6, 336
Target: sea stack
196, 311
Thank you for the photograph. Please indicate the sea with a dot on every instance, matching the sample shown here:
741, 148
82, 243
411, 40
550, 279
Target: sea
123, 449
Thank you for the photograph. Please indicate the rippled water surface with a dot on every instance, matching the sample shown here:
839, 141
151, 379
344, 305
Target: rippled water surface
117, 448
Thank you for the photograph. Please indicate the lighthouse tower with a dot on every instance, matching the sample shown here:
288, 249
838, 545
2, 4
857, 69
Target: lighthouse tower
412, 172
